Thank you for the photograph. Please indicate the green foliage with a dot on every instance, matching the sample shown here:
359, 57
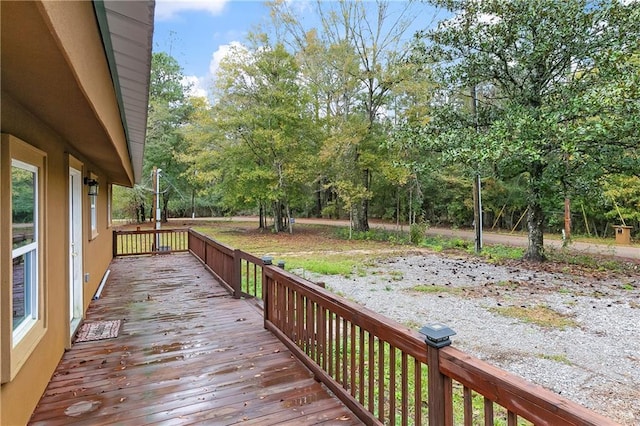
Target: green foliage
374, 234
23, 195
548, 93
169, 111
322, 266
623, 194
417, 233
498, 252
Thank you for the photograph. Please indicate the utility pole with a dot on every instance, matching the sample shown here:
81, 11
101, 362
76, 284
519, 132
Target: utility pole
477, 184
155, 193
156, 206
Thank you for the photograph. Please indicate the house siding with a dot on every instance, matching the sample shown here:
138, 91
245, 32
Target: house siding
57, 95
19, 397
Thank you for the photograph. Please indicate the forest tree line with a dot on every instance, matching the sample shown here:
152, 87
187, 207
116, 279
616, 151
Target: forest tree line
391, 110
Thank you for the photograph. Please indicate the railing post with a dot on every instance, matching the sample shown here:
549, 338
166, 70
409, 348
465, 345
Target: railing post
437, 337
114, 239
237, 274
266, 262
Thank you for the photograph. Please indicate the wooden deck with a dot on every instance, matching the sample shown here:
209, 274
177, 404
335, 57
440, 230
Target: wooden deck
187, 353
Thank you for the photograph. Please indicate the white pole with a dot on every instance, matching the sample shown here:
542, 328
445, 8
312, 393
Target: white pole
158, 198
157, 209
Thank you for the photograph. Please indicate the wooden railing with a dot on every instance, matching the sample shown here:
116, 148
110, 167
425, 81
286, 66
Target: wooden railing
241, 272
388, 374
149, 241
383, 371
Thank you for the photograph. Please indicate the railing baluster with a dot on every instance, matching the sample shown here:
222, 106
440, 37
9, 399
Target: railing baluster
361, 364
381, 387
345, 364
417, 391
488, 412
468, 406
352, 358
405, 389
371, 371
392, 385
448, 401
330, 345
321, 321
338, 349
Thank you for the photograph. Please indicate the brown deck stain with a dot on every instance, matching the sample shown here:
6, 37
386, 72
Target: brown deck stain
182, 357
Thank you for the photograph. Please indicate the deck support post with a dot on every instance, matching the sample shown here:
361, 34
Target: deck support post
237, 274
114, 239
437, 337
266, 307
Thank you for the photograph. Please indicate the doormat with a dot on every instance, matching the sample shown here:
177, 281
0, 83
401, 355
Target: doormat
98, 330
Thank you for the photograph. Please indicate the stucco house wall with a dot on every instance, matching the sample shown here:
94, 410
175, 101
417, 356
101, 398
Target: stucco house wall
60, 101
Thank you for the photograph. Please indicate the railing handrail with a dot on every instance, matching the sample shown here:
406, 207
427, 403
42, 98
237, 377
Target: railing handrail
221, 246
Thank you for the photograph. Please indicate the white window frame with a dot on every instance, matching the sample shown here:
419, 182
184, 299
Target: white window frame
17, 345
30, 250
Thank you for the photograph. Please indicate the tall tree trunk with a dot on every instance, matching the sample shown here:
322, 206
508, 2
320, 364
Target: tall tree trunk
361, 212
277, 216
165, 206
535, 216
263, 222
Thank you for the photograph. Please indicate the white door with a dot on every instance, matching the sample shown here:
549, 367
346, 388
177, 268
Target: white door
75, 248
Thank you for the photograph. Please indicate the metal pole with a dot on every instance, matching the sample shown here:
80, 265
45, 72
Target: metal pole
158, 216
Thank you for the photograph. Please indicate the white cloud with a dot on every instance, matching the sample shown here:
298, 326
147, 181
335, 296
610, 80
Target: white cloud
219, 55
197, 86
168, 9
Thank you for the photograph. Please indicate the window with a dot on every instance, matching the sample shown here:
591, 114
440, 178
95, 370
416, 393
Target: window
23, 295
24, 255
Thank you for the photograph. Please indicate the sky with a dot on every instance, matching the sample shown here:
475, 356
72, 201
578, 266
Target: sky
198, 33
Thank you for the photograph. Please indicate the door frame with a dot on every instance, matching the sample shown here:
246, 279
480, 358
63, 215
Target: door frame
75, 247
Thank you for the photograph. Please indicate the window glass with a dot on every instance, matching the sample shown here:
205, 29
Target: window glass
24, 213
23, 203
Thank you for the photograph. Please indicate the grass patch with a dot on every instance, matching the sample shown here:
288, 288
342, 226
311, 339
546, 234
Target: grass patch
562, 359
590, 262
396, 275
373, 234
423, 288
324, 265
498, 252
540, 315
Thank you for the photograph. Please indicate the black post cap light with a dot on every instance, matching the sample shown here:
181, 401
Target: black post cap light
437, 335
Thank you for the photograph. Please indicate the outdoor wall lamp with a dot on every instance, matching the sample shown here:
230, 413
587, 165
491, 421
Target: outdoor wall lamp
437, 335
93, 186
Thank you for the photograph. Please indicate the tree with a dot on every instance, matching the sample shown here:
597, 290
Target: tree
362, 47
169, 110
267, 144
551, 77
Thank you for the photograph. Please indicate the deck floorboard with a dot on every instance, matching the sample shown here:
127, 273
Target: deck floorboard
187, 353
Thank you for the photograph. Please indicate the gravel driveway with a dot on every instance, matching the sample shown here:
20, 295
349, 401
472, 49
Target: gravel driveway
586, 346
